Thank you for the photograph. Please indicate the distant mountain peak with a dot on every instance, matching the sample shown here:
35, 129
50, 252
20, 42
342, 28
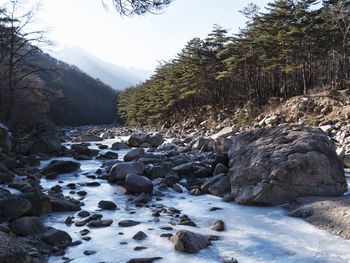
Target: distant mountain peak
116, 76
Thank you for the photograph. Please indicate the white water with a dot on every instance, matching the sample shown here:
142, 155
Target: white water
253, 234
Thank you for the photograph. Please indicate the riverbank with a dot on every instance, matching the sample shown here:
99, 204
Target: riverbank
179, 164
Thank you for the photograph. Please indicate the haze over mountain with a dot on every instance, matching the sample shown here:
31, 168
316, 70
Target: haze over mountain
118, 77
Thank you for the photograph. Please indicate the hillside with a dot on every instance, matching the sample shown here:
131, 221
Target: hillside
266, 60
80, 99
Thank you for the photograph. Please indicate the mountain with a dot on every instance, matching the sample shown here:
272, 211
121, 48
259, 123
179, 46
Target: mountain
80, 99
118, 77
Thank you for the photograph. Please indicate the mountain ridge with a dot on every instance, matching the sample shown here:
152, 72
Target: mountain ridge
116, 76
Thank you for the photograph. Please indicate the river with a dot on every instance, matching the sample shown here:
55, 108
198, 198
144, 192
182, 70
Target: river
253, 234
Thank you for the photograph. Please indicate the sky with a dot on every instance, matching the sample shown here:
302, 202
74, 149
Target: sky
139, 41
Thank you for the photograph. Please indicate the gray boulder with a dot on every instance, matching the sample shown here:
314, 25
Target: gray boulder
27, 226
128, 223
158, 171
156, 140
60, 167
119, 146
221, 187
63, 205
218, 226
133, 154
120, 170
55, 237
5, 142
12, 206
276, 165
135, 183
189, 242
184, 169
107, 205
100, 223
81, 149
46, 144
140, 236
135, 140
212, 180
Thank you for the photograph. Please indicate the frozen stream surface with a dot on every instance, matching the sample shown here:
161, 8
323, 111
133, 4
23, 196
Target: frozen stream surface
253, 234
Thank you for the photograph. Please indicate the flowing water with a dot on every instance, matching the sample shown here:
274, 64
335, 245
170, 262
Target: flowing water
253, 234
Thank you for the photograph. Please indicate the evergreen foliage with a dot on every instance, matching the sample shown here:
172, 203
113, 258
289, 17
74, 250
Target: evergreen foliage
286, 51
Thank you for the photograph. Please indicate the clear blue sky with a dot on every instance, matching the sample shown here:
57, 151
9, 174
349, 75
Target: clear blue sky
138, 41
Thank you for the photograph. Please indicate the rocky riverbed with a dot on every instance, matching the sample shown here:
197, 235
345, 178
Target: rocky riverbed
168, 199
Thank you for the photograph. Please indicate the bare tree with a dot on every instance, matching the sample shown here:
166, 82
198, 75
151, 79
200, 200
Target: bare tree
19, 44
140, 7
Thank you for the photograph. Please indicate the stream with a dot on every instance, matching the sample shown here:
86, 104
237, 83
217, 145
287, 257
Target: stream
253, 234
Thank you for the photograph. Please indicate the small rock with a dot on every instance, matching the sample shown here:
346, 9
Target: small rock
177, 188
89, 252
93, 184
139, 248
107, 205
128, 223
140, 236
218, 226
100, 223
83, 214
189, 242
84, 232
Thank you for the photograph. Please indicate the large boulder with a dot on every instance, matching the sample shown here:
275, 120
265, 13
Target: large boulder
60, 167
46, 144
120, 146
81, 149
135, 140
63, 205
41, 203
55, 237
189, 242
27, 226
120, 170
12, 206
5, 142
133, 154
156, 139
276, 165
135, 183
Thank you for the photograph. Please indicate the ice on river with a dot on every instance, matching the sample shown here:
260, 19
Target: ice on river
253, 234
